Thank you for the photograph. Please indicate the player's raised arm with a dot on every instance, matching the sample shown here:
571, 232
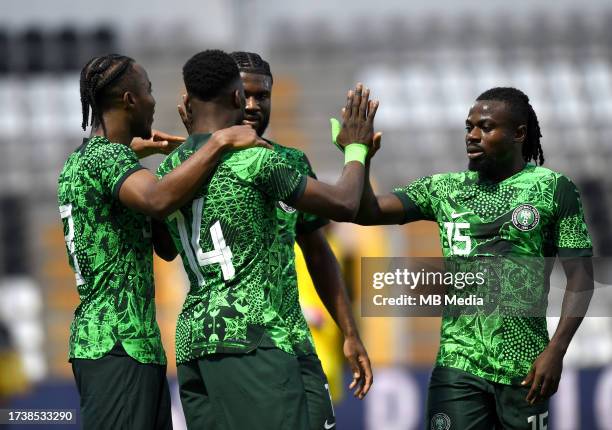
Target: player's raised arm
142, 191
373, 210
378, 210
340, 202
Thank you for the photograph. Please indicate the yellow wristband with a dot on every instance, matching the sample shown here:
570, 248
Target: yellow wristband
355, 152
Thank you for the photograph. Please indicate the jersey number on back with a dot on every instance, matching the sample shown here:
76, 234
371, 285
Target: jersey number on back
537, 421
66, 213
458, 242
222, 254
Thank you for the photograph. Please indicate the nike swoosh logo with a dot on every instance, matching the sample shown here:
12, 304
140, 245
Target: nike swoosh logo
457, 215
329, 426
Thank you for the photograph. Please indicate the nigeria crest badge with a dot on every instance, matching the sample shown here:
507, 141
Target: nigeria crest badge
286, 207
440, 421
525, 217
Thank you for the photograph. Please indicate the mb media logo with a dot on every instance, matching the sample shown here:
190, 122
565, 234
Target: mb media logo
525, 217
440, 421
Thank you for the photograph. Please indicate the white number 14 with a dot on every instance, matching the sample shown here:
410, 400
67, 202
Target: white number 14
221, 254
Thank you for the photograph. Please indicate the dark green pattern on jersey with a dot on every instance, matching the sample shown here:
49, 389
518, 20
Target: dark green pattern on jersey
478, 220
232, 312
114, 255
290, 223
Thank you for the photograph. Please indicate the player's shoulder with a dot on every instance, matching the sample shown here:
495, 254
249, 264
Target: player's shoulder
101, 147
249, 163
257, 154
551, 177
95, 153
173, 158
293, 156
181, 153
69, 167
462, 177
287, 151
446, 180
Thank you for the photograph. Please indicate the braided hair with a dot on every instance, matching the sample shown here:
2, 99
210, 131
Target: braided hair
250, 62
98, 79
521, 108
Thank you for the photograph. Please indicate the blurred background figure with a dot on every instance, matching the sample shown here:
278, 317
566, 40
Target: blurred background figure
12, 379
427, 63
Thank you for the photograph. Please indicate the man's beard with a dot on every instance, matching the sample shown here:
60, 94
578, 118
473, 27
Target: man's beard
144, 133
262, 126
483, 164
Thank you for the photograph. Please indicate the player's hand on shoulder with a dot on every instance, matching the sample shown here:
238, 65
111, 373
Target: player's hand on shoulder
239, 137
159, 143
358, 118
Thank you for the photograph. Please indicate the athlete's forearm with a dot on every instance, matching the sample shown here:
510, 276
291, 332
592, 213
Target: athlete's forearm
378, 210
327, 278
369, 211
178, 187
339, 202
579, 273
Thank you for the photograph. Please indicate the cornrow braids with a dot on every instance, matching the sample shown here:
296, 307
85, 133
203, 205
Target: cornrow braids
520, 106
251, 62
97, 78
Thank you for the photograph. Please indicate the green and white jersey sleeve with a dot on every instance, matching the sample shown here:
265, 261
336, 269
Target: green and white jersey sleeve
535, 213
571, 235
417, 200
226, 237
109, 249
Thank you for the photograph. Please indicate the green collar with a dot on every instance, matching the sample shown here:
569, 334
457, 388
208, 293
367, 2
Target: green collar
197, 140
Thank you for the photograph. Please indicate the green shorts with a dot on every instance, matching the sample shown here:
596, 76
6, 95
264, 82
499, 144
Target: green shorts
460, 400
259, 390
318, 398
119, 392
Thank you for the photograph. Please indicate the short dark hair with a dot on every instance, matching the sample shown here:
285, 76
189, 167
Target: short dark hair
208, 73
522, 109
250, 62
100, 76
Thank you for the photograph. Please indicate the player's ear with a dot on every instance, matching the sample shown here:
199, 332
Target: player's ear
187, 103
520, 135
128, 100
238, 99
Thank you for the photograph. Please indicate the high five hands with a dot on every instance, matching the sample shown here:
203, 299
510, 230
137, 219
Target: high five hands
357, 122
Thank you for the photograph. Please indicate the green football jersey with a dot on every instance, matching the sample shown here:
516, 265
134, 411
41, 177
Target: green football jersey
533, 214
290, 223
109, 249
226, 238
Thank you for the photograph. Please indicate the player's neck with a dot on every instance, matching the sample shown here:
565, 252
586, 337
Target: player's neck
500, 173
115, 132
212, 118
